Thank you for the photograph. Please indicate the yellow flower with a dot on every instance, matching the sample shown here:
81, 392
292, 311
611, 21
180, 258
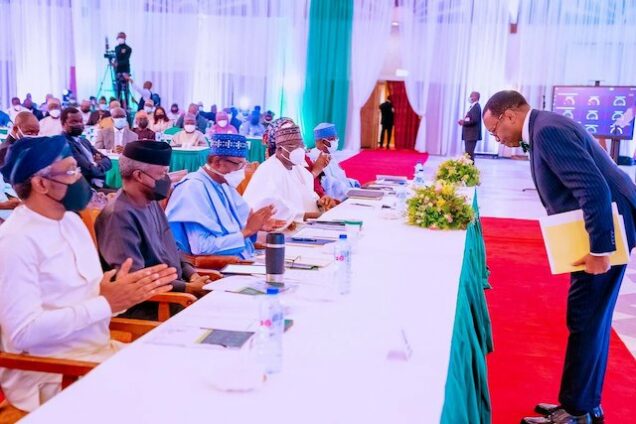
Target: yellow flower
441, 203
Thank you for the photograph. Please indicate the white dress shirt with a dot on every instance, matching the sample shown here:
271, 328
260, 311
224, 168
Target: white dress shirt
49, 285
50, 126
118, 137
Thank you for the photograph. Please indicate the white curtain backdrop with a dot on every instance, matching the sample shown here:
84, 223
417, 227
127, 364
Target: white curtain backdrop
450, 48
572, 42
7, 64
369, 42
222, 52
41, 47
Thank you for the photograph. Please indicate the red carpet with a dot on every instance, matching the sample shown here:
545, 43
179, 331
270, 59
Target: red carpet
527, 306
368, 163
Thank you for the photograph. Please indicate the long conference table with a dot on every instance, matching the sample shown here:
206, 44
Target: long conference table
407, 345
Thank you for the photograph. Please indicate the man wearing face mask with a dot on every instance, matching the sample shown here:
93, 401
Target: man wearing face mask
133, 225
206, 213
333, 178
143, 132
100, 113
52, 125
252, 127
93, 164
222, 125
25, 125
200, 122
63, 303
15, 108
190, 136
122, 68
114, 139
85, 108
284, 177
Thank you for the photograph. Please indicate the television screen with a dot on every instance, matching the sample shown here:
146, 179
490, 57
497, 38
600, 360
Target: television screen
604, 111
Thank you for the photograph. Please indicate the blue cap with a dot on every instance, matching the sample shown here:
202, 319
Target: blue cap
343, 237
272, 290
325, 130
234, 145
27, 156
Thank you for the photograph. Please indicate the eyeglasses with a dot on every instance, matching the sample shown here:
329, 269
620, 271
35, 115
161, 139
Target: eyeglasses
71, 172
240, 165
493, 132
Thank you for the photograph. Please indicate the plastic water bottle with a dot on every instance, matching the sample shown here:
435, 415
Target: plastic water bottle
401, 195
342, 256
272, 327
418, 175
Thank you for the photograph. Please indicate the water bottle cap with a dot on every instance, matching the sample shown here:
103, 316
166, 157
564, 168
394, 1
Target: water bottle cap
272, 290
343, 237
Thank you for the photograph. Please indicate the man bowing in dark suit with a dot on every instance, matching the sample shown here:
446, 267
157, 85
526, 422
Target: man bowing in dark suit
471, 125
571, 171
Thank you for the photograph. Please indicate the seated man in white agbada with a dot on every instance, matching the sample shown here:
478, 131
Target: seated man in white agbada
333, 178
284, 177
190, 136
55, 299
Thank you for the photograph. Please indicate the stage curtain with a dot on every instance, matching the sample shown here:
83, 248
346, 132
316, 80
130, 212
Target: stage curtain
406, 120
326, 94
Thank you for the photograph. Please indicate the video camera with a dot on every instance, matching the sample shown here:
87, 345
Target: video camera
108, 53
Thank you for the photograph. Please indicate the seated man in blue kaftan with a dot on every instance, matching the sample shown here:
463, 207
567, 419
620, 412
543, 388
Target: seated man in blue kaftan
207, 215
333, 178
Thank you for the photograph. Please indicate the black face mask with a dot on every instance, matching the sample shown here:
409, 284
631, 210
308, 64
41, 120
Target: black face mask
143, 123
77, 195
161, 188
174, 110
76, 130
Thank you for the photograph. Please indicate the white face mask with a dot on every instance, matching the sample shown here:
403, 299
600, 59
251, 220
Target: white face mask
189, 128
149, 109
55, 113
120, 41
233, 179
119, 123
17, 108
296, 156
103, 106
334, 146
222, 124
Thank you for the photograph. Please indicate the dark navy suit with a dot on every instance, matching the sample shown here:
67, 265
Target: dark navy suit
571, 171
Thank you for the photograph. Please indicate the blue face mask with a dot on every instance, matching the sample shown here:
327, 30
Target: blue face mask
119, 123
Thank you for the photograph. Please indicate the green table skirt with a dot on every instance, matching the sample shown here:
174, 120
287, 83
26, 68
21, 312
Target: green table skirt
257, 150
467, 399
190, 160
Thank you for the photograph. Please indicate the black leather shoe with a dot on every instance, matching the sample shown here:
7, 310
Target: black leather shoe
598, 417
559, 417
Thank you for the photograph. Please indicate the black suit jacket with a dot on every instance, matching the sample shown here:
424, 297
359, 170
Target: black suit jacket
122, 55
386, 113
91, 169
571, 171
471, 130
4, 148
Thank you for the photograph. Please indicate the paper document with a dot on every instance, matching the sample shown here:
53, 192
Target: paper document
566, 240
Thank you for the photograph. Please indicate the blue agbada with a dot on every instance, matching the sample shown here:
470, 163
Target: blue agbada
207, 217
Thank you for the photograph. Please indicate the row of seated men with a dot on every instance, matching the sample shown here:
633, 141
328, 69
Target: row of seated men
58, 292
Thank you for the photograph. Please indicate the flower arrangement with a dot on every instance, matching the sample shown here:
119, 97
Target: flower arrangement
439, 207
460, 171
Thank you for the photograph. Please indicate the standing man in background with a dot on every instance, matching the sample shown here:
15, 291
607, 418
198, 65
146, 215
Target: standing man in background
471, 125
387, 112
122, 69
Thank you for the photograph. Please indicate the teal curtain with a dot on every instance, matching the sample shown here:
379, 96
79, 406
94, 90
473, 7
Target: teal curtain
326, 93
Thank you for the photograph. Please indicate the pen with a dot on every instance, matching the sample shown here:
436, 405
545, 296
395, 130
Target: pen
308, 240
361, 204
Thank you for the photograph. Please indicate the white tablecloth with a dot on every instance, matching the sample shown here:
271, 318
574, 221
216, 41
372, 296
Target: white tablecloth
336, 370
